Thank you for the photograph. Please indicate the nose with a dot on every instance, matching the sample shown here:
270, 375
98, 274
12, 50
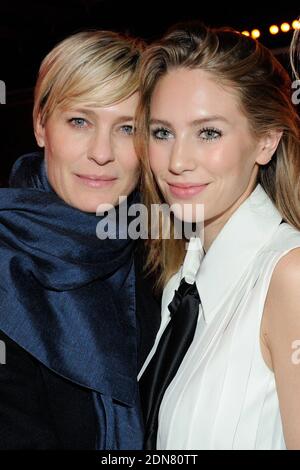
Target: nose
181, 158
101, 148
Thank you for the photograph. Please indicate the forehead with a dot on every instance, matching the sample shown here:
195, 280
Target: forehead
193, 93
126, 107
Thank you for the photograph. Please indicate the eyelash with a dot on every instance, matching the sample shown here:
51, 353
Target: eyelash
127, 129
218, 133
156, 131
74, 122
131, 132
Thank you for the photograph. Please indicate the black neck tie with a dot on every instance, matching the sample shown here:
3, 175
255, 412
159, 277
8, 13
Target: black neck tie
168, 356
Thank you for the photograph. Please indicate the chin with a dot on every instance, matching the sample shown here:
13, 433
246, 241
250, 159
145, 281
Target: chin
189, 212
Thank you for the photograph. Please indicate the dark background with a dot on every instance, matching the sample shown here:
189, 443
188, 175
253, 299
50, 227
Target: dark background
29, 29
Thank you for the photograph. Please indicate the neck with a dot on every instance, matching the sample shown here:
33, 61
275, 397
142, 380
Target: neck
213, 226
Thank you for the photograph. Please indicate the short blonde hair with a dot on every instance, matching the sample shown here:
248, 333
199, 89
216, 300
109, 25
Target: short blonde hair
95, 67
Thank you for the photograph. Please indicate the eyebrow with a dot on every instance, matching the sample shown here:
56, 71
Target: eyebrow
90, 112
194, 123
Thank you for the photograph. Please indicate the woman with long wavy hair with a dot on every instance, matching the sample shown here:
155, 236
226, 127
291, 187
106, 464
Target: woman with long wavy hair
222, 133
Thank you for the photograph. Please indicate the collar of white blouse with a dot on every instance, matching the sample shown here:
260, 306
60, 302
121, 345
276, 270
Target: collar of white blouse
247, 231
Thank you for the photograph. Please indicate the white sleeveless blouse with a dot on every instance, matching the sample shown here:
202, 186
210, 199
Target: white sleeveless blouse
224, 395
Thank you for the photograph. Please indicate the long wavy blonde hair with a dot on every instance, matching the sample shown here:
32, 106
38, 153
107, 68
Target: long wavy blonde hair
264, 90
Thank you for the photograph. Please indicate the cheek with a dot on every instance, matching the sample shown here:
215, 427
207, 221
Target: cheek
225, 160
60, 148
132, 168
66, 144
127, 159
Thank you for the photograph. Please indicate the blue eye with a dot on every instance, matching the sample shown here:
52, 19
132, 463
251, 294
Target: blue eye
161, 133
78, 122
210, 133
127, 129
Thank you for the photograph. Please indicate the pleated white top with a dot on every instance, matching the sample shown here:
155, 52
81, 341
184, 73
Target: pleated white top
224, 395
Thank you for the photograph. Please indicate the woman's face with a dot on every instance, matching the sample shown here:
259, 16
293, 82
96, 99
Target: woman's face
201, 149
89, 153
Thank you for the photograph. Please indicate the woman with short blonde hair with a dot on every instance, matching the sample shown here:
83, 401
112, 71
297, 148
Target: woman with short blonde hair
73, 301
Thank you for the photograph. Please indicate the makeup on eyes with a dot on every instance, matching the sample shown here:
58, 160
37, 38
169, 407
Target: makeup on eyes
162, 133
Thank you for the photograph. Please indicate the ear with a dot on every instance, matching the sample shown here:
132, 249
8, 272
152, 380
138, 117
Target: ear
39, 131
268, 145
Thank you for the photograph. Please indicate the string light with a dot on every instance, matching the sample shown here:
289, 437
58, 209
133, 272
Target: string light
274, 29
285, 27
255, 33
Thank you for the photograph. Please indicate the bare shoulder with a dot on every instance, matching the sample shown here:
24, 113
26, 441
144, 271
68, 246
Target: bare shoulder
287, 269
281, 318
284, 288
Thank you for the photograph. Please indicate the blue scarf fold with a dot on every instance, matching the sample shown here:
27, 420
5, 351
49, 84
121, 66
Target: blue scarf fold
68, 298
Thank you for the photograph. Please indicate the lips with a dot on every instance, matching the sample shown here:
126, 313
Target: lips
186, 190
95, 181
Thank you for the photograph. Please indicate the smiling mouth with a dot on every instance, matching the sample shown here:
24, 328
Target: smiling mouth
95, 181
186, 190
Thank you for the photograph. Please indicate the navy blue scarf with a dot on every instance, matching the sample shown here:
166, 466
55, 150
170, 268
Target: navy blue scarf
68, 298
